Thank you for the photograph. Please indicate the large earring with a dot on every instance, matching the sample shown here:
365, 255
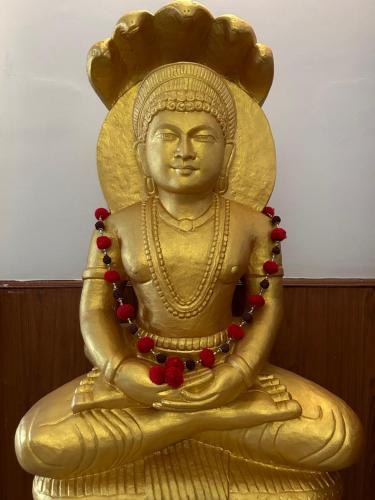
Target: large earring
150, 186
222, 184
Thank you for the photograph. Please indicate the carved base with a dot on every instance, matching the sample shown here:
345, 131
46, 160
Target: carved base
194, 471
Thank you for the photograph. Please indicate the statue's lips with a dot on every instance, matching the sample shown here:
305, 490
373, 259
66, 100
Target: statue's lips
184, 169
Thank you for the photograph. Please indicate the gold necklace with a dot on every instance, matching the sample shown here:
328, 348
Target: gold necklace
175, 304
185, 224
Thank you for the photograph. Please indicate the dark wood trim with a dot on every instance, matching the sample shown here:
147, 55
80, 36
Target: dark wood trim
289, 282
330, 282
16, 284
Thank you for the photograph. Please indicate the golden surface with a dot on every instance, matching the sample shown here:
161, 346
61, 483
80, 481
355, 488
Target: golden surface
243, 429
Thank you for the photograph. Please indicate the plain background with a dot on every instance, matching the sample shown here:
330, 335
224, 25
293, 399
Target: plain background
321, 110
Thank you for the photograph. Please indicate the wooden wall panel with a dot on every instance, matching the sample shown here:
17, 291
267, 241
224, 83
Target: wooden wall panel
328, 335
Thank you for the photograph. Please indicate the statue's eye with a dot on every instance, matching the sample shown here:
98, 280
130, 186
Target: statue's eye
166, 136
204, 138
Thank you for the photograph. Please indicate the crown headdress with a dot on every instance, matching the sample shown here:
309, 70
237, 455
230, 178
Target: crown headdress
184, 86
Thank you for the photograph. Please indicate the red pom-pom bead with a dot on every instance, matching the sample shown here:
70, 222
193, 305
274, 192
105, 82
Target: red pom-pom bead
145, 344
256, 300
103, 242
174, 377
176, 362
269, 211
111, 276
157, 374
101, 213
278, 234
207, 357
235, 331
125, 312
270, 267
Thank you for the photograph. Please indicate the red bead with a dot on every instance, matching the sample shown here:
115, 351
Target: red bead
278, 234
101, 213
157, 374
256, 300
145, 344
103, 242
175, 361
207, 357
174, 377
125, 312
111, 276
269, 211
235, 331
270, 267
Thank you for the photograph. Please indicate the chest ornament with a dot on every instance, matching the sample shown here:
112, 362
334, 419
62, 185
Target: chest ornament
174, 303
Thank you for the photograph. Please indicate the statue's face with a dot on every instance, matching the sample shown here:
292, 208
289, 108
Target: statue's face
184, 151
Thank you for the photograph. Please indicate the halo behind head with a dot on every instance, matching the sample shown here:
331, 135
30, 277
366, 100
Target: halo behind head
184, 86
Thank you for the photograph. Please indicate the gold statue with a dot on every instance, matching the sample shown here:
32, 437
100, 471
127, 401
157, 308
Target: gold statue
182, 402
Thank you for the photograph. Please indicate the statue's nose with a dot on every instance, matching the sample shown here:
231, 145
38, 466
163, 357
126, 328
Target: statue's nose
185, 149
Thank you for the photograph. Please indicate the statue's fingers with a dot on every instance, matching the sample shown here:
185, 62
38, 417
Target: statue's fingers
195, 378
198, 396
165, 404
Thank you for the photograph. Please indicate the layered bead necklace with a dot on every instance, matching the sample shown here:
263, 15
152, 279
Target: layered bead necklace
170, 369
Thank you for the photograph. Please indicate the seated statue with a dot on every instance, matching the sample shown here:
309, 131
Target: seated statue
182, 402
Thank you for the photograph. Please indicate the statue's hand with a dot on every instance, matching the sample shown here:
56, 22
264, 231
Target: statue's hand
133, 379
225, 386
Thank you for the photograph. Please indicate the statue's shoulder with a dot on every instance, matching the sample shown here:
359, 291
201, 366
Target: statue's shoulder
125, 220
253, 220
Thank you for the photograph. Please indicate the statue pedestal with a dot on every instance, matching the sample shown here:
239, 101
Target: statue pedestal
195, 471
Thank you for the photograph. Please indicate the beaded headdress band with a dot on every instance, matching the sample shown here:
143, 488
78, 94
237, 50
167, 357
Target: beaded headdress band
184, 86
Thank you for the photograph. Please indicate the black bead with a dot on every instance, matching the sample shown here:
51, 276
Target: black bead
161, 358
276, 220
132, 328
276, 250
224, 348
117, 293
264, 284
190, 364
247, 316
99, 225
107, 259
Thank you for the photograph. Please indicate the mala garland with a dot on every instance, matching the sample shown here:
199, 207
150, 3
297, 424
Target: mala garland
170, 369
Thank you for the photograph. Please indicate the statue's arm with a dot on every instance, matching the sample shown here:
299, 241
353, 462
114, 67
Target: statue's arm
100, 329
252, 351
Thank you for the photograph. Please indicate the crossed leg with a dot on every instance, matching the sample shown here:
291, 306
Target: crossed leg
326, 436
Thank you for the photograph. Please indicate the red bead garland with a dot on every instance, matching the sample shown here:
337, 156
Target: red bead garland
174, 377
207, 357
157, 374
171, 370
256, 300
270, 267
176, 362
278, 234
125, 312
103, 242
268, 211
101, 213
235, 332
145, 344
111, 276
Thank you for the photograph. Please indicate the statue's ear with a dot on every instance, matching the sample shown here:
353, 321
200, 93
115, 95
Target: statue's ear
140, 153
229, 151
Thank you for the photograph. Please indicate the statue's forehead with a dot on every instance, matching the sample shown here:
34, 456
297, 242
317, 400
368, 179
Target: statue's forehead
185, 120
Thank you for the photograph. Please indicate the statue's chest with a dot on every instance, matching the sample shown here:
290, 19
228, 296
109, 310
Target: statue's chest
187, 257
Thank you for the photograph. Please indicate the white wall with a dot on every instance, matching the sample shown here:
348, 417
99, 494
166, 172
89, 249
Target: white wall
321, 109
